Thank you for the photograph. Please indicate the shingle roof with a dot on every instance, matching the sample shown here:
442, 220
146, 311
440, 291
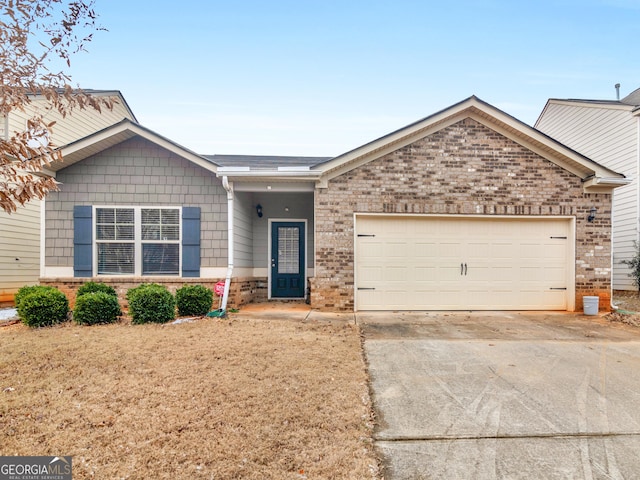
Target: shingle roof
267, 162
633, 98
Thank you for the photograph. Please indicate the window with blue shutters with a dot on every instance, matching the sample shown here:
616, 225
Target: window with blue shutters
138, 240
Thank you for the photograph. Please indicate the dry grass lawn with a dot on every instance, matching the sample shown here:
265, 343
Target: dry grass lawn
212, 399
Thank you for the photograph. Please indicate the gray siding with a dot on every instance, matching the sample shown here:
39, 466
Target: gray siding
78, 124
608, 135
243, 230
300, 206
19, 248
136, 172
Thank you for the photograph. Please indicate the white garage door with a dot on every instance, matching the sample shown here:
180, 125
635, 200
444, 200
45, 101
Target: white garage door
445, 263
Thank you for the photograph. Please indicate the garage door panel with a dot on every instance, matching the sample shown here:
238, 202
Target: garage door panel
419, 263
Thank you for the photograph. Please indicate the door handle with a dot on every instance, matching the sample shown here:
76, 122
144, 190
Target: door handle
465, 269
461, 268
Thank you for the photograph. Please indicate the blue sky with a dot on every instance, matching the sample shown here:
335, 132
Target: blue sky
322, 77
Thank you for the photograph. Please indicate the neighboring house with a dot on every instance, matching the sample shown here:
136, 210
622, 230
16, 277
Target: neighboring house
468, 208
20, 231
608, 132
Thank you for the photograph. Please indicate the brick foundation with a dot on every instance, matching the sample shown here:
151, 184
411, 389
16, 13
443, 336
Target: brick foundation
241, 290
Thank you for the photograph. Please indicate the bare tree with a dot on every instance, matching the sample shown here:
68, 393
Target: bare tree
37, 40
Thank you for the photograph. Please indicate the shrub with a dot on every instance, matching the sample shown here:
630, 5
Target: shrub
151, 302
92, 287
26, 290
633, 263
194, 300
42, 307
96, 307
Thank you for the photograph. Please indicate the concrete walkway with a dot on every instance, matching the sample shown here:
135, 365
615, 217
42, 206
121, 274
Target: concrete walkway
504, 395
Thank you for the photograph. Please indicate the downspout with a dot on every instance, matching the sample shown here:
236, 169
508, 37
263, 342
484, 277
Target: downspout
227, 281
614, 308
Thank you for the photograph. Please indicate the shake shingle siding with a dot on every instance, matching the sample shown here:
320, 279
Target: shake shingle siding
134, 173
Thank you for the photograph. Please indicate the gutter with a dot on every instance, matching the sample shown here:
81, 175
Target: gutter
227, 281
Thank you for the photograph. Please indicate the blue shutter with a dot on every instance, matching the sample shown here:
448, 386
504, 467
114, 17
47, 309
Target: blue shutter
82, 241
191, 241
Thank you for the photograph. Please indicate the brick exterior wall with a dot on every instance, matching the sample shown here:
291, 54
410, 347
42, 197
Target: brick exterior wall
136, 172
463, 169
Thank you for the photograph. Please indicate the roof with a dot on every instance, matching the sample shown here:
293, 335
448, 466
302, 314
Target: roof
256, 168
633, 98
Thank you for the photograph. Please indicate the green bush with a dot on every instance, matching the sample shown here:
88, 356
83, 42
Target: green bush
92, 287
43, 307
633, 263
26, 290
96, 307
194, 300
151, 302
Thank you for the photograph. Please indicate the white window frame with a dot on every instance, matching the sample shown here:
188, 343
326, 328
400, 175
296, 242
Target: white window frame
138, 242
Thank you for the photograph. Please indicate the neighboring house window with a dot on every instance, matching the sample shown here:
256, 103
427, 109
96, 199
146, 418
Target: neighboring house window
138, 240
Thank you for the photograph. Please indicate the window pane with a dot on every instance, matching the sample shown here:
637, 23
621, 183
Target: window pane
124, 232
160, 259
115, 259
105, 232
170, 217
170, 232
150, 232
150, 215
114, 224
124, 215
160, 224
288, 250
105, 215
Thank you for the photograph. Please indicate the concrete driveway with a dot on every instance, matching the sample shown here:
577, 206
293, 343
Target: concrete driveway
488, 395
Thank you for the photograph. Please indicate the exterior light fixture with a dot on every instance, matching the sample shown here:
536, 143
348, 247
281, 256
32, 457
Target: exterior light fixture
592, 215
259, 210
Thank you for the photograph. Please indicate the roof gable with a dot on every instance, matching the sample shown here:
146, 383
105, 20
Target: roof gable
118, 133
595, 176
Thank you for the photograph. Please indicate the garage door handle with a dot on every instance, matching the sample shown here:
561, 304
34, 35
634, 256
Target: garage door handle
463, 269
366, 288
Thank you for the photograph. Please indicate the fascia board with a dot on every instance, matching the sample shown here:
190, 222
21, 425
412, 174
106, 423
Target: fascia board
270, 176
604, 184
609, 105
243, 185
104, 139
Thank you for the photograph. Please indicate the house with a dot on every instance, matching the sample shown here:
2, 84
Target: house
468, 208
607, 131
20, 231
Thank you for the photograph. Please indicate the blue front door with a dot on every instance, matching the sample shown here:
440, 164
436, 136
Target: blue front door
287, 259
